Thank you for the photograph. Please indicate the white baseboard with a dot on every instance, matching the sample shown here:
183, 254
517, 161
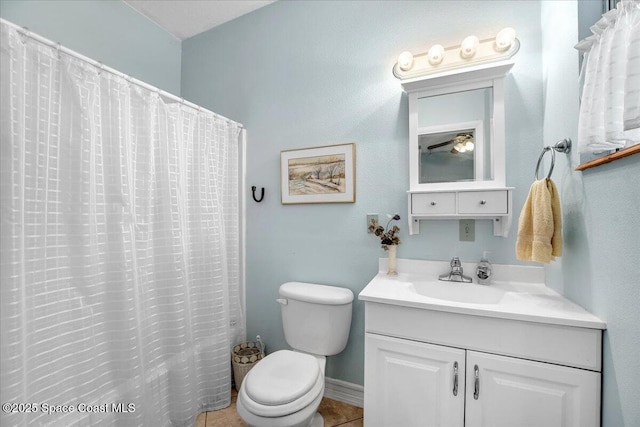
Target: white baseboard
350, 393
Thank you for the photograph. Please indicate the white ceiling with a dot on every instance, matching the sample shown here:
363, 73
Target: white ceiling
186, 18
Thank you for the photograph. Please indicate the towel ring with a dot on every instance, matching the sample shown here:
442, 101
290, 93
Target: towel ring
563, 146
553, 161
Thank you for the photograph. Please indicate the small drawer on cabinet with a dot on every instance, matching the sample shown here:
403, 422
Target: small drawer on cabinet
433, 203
483, 202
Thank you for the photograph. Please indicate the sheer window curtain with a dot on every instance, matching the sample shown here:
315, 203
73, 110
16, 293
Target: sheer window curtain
610, 103
120, 237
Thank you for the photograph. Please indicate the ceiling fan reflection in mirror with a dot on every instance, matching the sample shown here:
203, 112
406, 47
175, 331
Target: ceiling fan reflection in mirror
464, 142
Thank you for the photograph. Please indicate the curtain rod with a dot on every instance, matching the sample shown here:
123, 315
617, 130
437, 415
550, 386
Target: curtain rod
27, 33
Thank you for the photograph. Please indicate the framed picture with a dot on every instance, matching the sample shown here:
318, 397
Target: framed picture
318, 174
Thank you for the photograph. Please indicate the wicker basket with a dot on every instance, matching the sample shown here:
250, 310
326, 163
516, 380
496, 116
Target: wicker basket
244, 356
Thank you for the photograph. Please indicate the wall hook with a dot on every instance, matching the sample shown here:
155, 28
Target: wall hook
253, 190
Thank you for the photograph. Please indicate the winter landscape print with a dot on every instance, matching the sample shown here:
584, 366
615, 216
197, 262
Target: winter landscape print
318, 175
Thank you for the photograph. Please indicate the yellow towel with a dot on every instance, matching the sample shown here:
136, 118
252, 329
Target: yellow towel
540, 225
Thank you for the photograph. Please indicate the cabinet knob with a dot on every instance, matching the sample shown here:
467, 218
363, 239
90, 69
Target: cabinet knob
483, 202
433, 203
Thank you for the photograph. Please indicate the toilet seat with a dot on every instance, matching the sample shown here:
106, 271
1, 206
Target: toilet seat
282, 377
282, 383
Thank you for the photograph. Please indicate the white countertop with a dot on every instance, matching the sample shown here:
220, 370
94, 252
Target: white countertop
521, 294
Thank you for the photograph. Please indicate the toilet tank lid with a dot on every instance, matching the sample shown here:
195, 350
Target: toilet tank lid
317, 294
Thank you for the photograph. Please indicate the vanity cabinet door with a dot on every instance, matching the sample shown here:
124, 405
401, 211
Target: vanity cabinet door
411, 384
515, 392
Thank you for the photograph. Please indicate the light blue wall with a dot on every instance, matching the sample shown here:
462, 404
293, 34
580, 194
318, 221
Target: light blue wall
108, 31
303, 74
601, 271
599, 268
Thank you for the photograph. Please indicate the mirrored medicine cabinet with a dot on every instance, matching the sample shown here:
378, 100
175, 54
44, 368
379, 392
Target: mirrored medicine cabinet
454, 137
457, 146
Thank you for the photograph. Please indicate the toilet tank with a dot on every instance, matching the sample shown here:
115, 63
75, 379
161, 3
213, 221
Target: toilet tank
316, 318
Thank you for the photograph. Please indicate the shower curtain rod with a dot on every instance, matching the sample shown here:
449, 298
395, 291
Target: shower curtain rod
27, 33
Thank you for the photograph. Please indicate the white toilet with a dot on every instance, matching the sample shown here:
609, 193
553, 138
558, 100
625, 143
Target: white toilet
286, 387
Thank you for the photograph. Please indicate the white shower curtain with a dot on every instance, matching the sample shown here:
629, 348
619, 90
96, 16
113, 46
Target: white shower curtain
120, 265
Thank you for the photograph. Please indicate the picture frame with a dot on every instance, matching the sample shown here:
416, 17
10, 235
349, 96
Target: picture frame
324, 174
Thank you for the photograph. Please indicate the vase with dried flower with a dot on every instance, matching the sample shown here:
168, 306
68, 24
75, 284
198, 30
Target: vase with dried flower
389, 240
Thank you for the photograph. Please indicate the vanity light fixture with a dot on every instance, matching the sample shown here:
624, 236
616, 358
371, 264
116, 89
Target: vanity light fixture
469, 46
405, 61
436, 54
471, 51
505, 38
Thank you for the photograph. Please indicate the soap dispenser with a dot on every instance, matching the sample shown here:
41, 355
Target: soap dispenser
484, 269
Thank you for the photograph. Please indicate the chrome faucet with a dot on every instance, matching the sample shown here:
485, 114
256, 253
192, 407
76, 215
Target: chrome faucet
455, 275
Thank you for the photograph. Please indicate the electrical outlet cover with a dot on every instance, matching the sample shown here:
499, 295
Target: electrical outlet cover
467, 230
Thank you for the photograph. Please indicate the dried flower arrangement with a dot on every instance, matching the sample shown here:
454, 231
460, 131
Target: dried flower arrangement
388, 236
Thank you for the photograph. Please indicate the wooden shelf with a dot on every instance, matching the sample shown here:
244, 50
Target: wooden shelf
625, 152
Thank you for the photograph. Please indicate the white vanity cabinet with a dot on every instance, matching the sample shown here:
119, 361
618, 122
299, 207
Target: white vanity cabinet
410, 381
515, 353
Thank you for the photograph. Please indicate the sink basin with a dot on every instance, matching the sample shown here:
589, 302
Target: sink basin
458, 292
517, 293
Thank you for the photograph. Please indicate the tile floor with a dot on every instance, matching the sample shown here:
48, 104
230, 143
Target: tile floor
334, 413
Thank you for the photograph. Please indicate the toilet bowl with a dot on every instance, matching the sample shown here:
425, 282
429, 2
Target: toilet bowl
285, 388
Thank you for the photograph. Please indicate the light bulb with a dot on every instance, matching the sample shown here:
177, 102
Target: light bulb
405, 61
468, 47
436, 54
505, 39
469, 145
